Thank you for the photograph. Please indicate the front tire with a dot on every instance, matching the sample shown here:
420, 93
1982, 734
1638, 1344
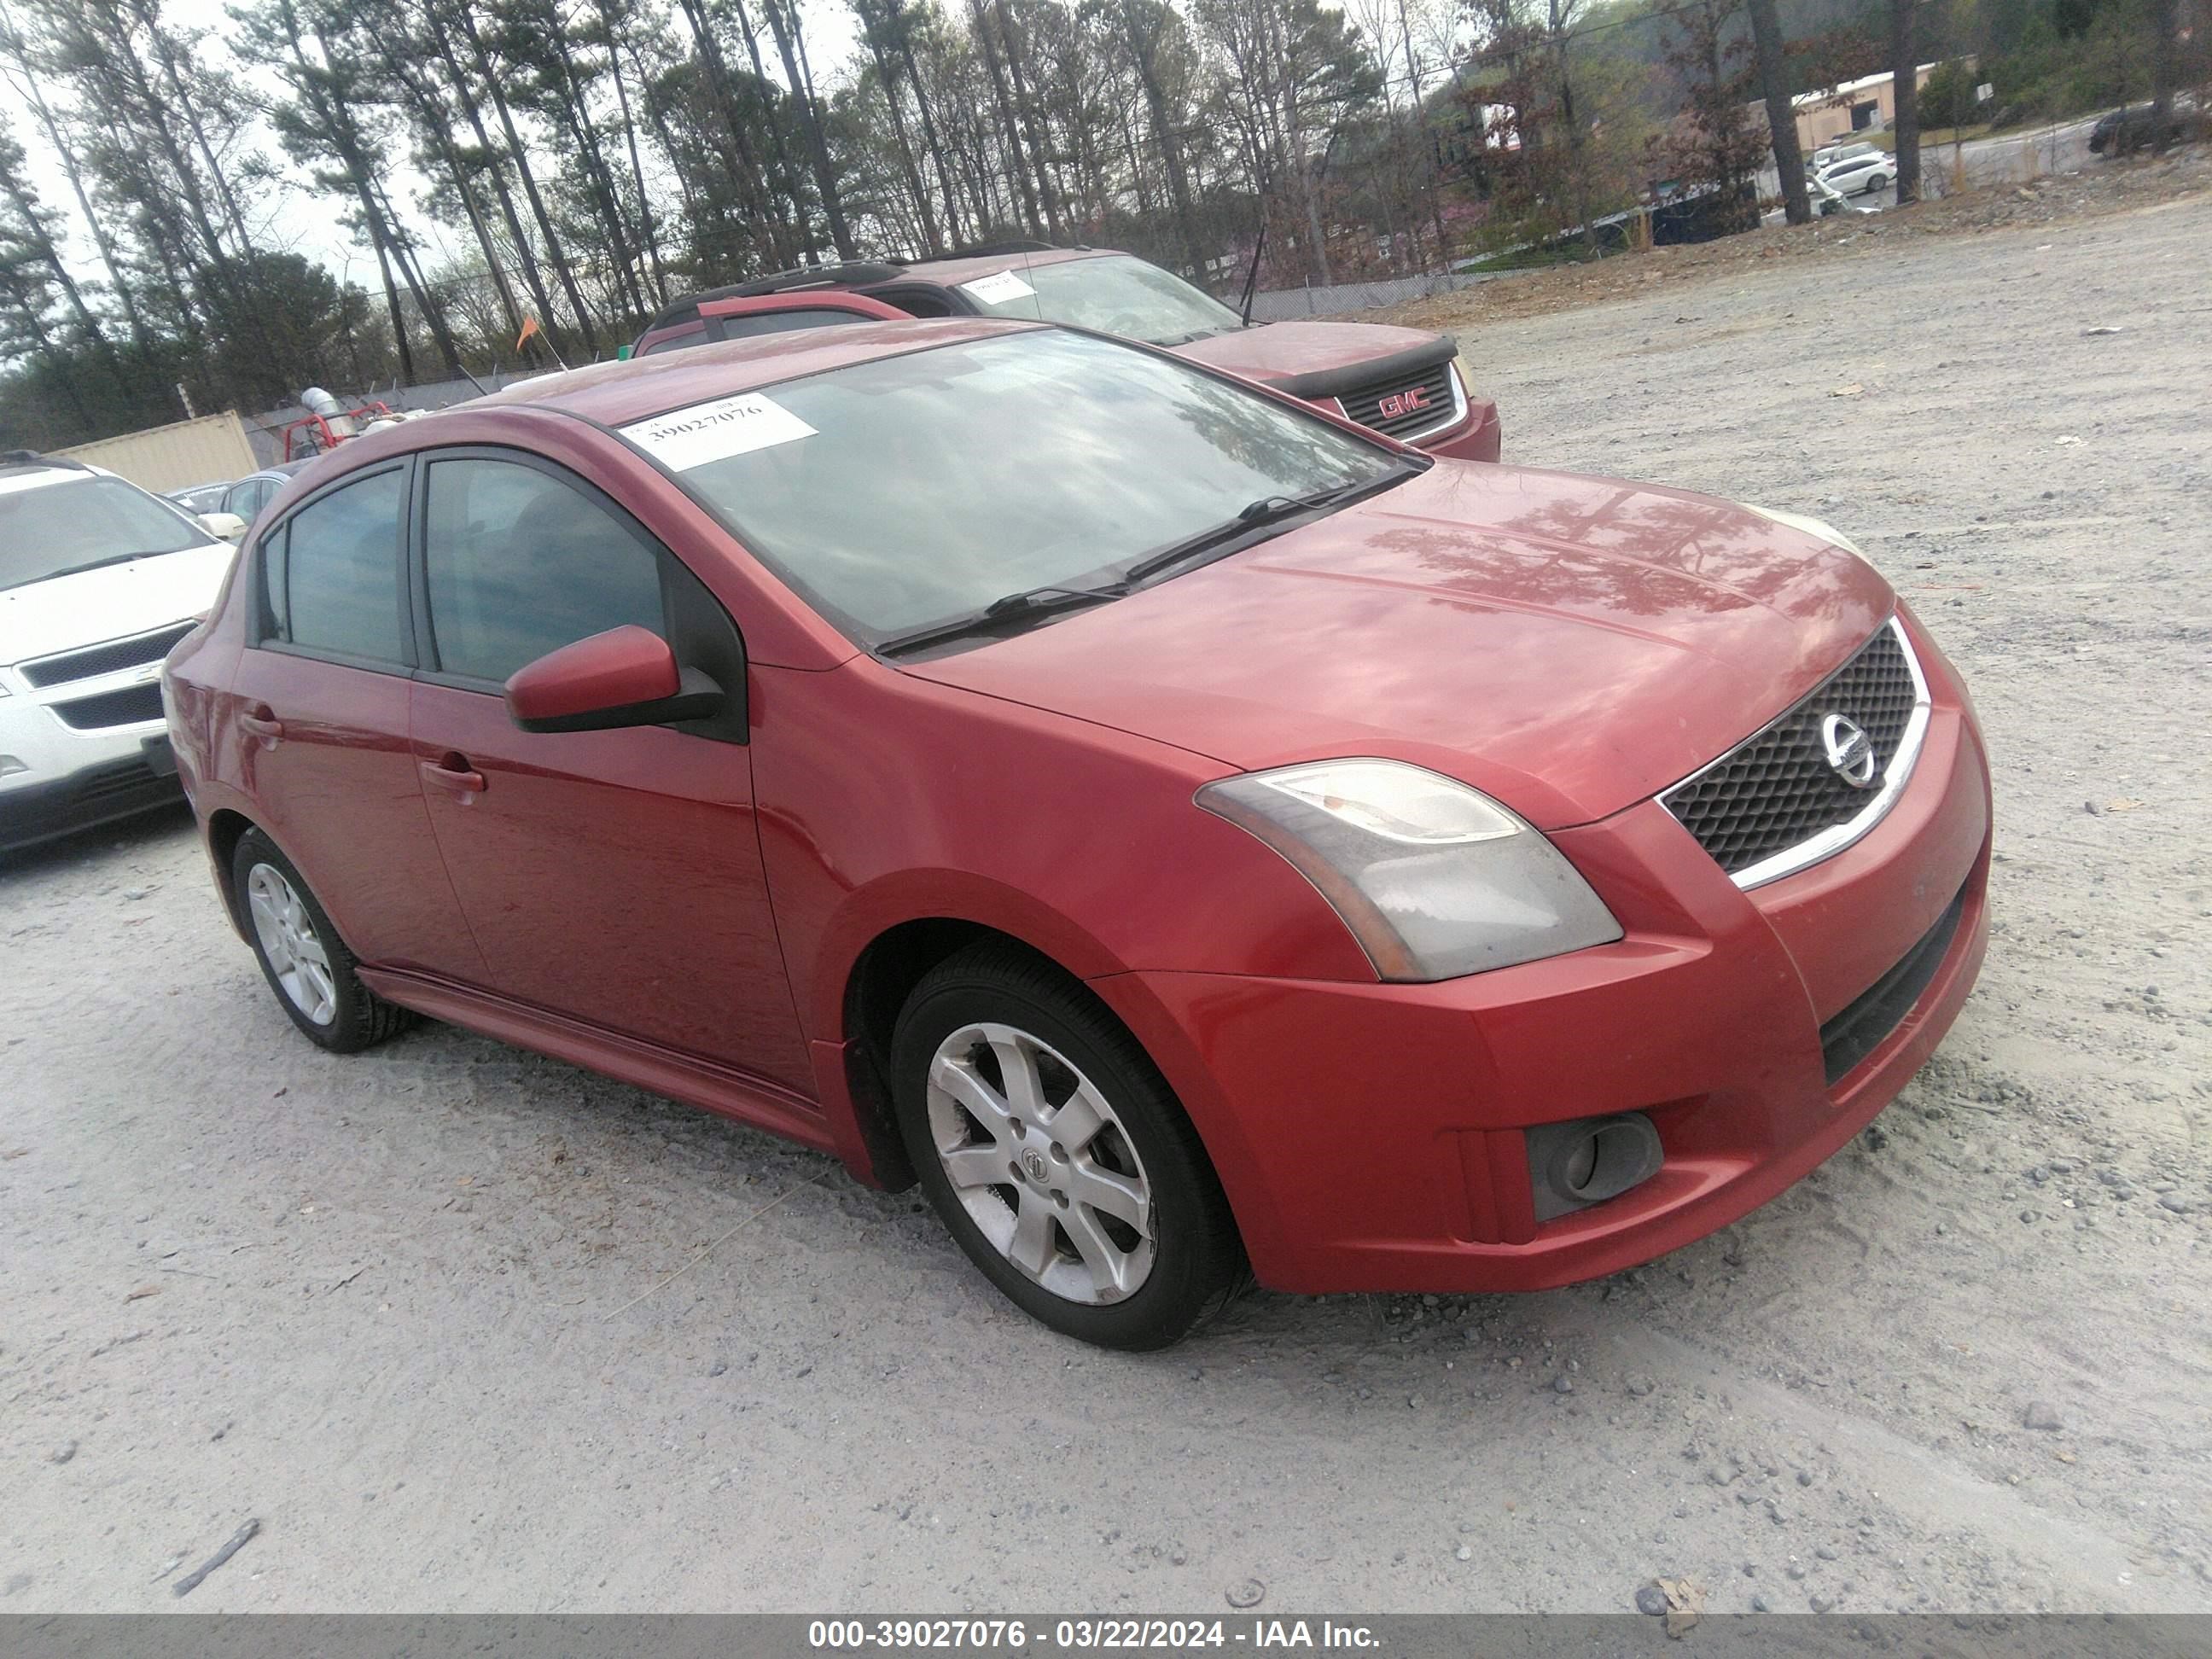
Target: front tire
301, 956
1055, 1153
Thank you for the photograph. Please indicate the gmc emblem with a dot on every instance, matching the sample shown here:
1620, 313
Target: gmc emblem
1403, 402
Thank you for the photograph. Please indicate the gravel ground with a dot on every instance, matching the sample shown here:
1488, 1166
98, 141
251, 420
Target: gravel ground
437, 1316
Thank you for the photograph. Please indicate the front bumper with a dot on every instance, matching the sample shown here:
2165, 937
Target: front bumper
1372, 1137
60, 778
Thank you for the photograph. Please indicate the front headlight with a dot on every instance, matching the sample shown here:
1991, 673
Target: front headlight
1433, 878
1811, 526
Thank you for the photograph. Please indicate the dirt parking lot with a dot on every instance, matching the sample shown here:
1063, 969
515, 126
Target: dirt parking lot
421, 1313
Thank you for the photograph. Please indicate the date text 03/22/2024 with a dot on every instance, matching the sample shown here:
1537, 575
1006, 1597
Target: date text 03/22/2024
1082, 1634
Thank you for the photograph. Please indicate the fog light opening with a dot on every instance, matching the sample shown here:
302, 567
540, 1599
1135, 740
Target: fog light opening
1575, 1164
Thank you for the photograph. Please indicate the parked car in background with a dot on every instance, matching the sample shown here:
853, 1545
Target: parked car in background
1828, 200
1399, 381
1176, 825
200, 498
98, 580
1858, 175
1828, 155
2140, 126
252, 493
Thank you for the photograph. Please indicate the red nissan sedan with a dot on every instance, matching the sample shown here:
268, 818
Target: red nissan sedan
1175, 826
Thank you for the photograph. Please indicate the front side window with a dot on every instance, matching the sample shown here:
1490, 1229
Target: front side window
519, 563
904, 492
49, 530
335, 584
1114, 294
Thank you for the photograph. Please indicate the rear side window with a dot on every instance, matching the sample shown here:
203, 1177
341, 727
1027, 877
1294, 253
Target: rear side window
916, 301
519, 563
334, 579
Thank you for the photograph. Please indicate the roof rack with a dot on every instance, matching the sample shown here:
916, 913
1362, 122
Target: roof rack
991, 250
13, 460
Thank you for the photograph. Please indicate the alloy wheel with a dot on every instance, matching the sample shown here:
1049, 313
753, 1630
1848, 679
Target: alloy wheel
297, 958
1042, 1163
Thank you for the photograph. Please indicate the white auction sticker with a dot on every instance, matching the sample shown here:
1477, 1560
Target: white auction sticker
685, 438
996, 290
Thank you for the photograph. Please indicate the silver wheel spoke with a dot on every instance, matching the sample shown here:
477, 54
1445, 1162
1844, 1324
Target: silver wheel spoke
958, 1079
1038, 1174
975, 1166
1109, 1193
1077, 1124
1031, 1248
1108, 1264
1017, 1071
297, 959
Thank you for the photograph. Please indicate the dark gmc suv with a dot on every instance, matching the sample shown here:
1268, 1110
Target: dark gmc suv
1401, 381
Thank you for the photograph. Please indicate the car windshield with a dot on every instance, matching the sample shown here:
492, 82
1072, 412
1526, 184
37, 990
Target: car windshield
50, 530
1114, 294
902, 493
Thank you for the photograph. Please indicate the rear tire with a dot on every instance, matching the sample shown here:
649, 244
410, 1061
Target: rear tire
301, 956
1055, 1153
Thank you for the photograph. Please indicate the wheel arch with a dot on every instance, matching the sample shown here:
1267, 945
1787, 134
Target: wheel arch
877, 980
226, 828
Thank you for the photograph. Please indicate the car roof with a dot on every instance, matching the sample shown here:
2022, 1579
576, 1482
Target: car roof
947, 270
615, 393
20, 469
950, 272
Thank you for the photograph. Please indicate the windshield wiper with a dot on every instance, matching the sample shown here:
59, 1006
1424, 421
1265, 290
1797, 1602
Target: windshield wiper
1003, 611
1228, 535
113, 558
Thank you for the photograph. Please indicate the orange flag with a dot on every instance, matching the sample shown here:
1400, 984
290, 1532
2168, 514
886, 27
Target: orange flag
529, 328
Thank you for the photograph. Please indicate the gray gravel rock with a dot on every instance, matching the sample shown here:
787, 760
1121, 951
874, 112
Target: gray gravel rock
1652, 1600
2043, 1415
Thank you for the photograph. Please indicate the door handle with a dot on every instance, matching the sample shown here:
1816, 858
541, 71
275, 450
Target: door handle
262, 722
453, 774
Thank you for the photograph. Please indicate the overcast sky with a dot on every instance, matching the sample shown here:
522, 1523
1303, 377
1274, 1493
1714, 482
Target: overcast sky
296, 218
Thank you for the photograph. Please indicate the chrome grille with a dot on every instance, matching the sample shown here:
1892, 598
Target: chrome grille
105, 658
1433, 404
1776, 791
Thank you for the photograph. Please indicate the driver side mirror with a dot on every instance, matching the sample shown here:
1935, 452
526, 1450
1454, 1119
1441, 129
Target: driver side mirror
625, 677
223, 527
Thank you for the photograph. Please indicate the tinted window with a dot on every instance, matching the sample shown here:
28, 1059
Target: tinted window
520, 563
916, 301
340, 575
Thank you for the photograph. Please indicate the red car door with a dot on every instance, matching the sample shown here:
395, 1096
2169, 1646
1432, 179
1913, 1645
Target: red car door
614, 876
316, 728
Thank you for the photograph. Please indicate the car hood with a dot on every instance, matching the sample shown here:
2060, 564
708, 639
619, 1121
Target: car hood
1311, 360
1569, 645
111, 603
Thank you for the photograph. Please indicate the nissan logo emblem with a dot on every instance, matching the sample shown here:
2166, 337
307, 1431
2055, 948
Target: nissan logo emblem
1849, 751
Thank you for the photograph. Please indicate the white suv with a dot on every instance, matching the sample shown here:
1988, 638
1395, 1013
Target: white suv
1859, 175
98, 580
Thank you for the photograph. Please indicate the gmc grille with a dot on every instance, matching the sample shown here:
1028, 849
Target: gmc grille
131, 706
1775, 790
97, 659
1434, 403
